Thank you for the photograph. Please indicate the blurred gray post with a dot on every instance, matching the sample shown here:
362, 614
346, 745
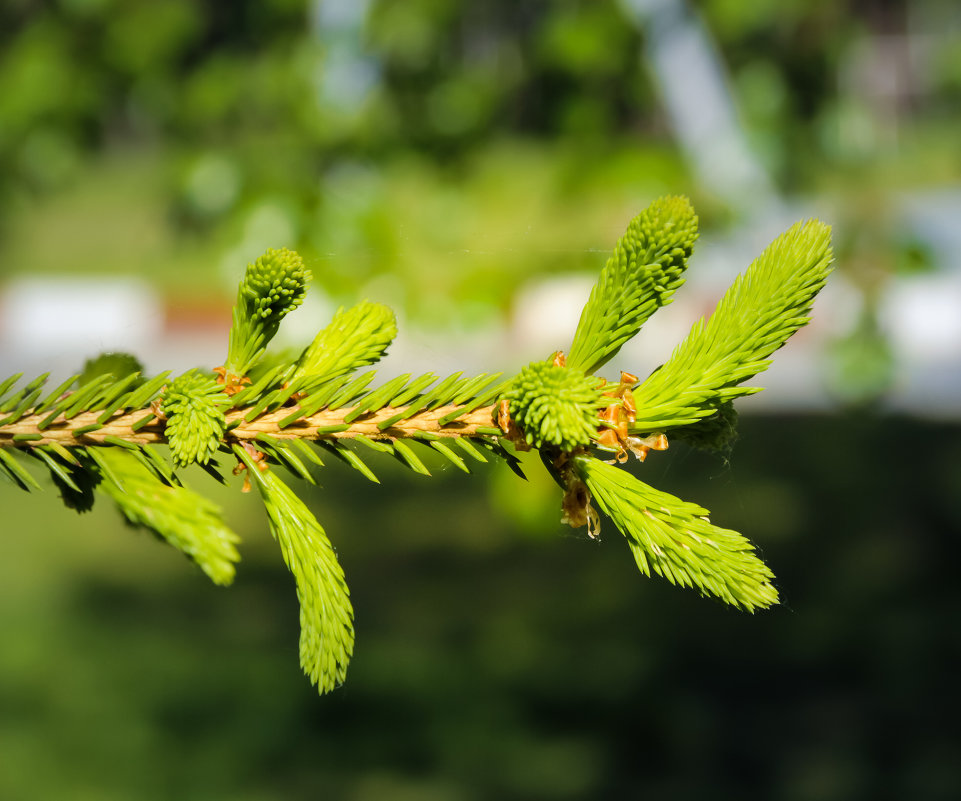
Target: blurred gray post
690, 77
346, 74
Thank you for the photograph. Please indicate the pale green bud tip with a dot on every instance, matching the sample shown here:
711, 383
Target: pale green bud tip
276, 283
555, 405
669, 224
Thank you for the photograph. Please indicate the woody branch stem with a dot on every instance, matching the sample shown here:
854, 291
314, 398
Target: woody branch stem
475, 423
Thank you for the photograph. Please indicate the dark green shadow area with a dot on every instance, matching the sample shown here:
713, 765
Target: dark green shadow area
496, 661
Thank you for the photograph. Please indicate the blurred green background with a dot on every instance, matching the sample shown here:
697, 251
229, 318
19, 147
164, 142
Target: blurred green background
441, 157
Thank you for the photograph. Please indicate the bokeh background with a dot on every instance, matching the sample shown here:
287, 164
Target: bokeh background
471, 164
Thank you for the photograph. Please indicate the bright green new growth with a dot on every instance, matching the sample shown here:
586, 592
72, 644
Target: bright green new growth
326, 615
273, 286
640, 277
756, 316
555, 405
99, 431
188, 521
675, 539
194, 405
353, 339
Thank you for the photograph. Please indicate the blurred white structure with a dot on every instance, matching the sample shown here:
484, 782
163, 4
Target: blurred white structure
54, 323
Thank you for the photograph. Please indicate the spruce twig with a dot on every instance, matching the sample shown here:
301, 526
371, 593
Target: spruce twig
98, 432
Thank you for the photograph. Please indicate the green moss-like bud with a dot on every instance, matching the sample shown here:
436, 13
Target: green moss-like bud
194, 405
275, 284
555, 405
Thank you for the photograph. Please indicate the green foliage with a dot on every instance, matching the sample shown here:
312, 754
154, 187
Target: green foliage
763, 307
326, 615
675, 539
98, 431
353, 339
716, 432
555, 405
75, 475
194, 406
637, 280
188, 521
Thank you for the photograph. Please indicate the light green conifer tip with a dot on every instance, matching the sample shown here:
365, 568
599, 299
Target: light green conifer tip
276, 283
675, 539
759, 312
190, 522
326, 614
647, 266
272, 287
354, 338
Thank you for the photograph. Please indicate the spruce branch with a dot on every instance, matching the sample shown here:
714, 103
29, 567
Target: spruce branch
406, 422
97, 433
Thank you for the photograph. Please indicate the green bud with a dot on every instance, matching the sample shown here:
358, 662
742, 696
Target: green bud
194, 405
555, 405
273, 286
662, 235
276, 284
642, 274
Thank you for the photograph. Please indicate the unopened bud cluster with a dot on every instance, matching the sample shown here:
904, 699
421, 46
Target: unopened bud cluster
555, 405
276, 282
666, 231
194, 405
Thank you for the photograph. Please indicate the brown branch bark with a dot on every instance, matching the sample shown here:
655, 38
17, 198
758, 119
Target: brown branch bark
62, 432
